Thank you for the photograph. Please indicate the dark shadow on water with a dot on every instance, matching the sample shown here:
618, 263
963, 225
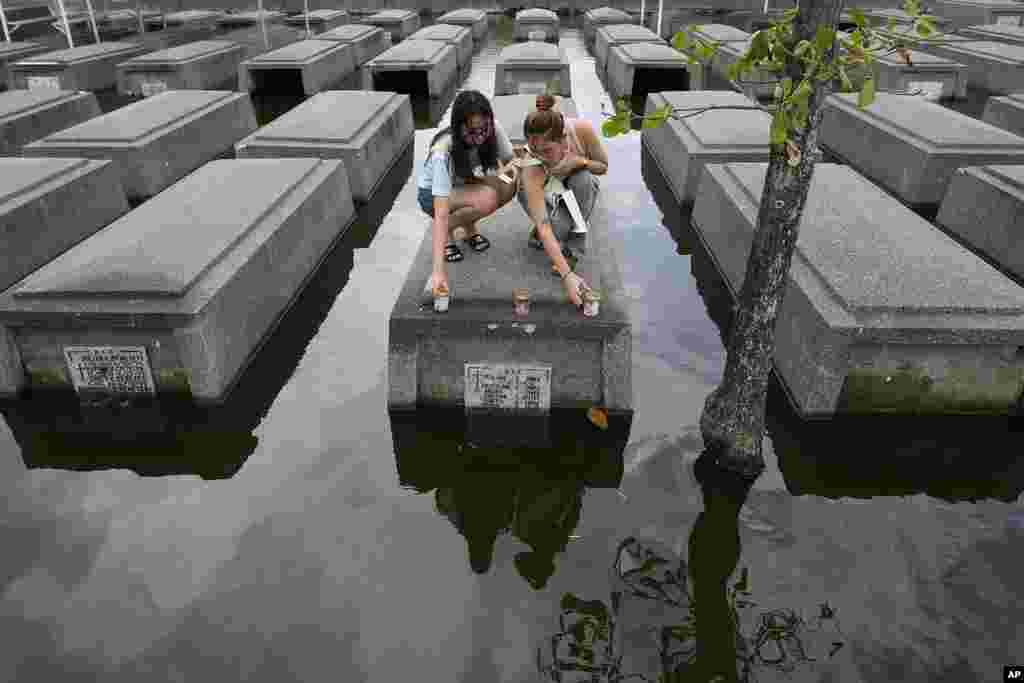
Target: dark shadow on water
956, 458
488, 486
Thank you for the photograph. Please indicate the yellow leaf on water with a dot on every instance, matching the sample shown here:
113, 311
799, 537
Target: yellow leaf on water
598, 416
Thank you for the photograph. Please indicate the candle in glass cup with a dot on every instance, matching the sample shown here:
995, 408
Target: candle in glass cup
521, 300
441, 298
591, 302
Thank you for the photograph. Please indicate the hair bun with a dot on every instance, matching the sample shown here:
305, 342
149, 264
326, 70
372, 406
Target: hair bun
545, 102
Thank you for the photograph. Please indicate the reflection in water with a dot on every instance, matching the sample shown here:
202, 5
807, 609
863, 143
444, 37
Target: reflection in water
862, 455
487, 488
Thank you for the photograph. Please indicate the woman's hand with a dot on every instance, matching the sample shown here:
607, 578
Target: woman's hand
569, 164
438, 282
574, 286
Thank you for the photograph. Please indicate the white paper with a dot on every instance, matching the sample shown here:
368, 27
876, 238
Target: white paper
110, 369
43, 82
508, 386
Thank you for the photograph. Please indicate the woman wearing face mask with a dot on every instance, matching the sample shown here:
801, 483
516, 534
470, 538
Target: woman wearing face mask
563, 153
458, 184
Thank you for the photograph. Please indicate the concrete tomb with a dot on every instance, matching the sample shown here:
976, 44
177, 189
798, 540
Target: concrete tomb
474, 19
757, 84
935, 76
880, 18
193, 18
413, 66
202, 65
159, 140
511, 111
179, 293
721, 33
1006, 112
607, 37
369, 131
984, 209
998, 33
48, 205
250, 18
459, 37
28, 115
306, 66
367, 41
86, 67
399, 23
682, 147
636, 69
602, 16
910, 146
482, 355
531, 23
996, 68
320, 20
961, 13
883, 312
530, 68
12, 52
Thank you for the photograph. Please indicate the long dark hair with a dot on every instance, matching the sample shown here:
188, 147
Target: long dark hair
467, 103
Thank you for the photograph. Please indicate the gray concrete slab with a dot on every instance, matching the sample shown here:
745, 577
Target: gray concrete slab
683, 146
880, 17
400, 23
12, 52
202, 65
660, 68
721, 33
86, 67
367, 130
607, 37
602, 16
320, 20
249, 18
1006, 112
961, 13
531, 68
193, 19
459, 37
1012, 34
530, 23
29, 115
197, 277
757, 84
589, 357
511, 111
159, 140
48, 205
438, 61
936, 76
320, 64
984, 209
474, 19
910, 146
874, 291
367, 41
996, 68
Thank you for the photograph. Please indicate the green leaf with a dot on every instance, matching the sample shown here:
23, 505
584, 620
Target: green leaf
801, 47
924, 27
778, 129
891, 24
790, 14
706, 52
858, 17
824, 37
760, 46
826, 73
743, 583
681, 41
845, 80
732, 72
912, 7
867, 95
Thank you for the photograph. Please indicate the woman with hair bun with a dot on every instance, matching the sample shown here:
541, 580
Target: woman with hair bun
563, 153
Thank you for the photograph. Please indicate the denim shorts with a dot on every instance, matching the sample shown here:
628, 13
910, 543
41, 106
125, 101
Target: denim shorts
426, 199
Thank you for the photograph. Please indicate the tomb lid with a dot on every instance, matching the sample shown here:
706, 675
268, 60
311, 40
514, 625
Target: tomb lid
163, 247
1005, 174
185, 52
511, 111
22, 175
192, 15
330, 116
301, 51
142, 118
720, 127
390, 15
463, 15
443, 32
990, 4
875, 255
536, 14
997, 31
1004, 53
350, 32
603, 14
326, 14
629, 32
531, 51
83, 53
722, 33
253, 14
14, 50
929, 124
413, 52
652, 52
14, 103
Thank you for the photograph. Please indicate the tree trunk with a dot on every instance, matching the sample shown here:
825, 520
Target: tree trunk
732, 423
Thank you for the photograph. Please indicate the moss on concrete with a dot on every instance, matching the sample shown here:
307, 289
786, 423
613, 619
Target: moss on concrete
910, 390
175, 380
48, 377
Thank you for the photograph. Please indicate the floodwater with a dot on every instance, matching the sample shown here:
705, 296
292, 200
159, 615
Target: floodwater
309, 552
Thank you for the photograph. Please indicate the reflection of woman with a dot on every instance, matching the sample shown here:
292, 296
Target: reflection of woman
479, 505
458, 185
563, 153
545, 517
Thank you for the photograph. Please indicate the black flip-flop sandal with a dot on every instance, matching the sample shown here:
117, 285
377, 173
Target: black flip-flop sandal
478, 243
452, 254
